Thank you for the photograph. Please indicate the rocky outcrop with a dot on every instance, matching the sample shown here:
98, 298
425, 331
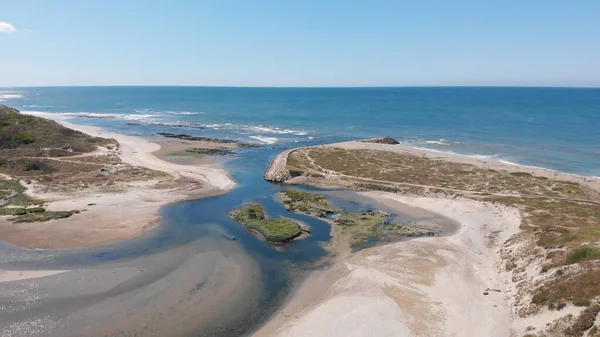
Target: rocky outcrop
6, 110
277, 172
384, 140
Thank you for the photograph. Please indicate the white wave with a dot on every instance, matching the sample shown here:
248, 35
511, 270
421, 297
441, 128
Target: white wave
90, 115
170, 112
10, 95
184, 112
37, 106
256, 128
268, 140
276, 130
441, 141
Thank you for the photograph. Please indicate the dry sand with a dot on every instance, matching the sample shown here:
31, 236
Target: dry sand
16, 275
168, 147
423, 287
126, 212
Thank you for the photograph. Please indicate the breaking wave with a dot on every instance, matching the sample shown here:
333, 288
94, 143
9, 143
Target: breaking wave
267, 140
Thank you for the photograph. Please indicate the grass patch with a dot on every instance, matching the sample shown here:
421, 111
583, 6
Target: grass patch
413, 169
43, 216
22, 138
21, 199
11, 185
581, 254
275, 230
307, 203
569, 287
581, 302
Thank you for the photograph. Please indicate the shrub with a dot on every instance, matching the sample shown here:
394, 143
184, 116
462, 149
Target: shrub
581, 254
22, 138
38, 166
583, 322
581, 302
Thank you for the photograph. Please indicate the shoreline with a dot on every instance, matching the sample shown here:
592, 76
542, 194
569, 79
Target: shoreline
125, 212
276, 171
402, 288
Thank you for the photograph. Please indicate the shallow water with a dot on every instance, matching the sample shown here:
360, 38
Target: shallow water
198, 273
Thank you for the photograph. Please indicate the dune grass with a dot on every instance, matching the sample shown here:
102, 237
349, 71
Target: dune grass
568, 229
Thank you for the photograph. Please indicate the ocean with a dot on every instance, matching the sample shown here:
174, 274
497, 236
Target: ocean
552, 128
555, 128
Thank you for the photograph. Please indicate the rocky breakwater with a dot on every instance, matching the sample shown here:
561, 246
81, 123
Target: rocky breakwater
277, 171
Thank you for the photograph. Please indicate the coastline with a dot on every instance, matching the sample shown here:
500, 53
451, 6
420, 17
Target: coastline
401, 289
127, 211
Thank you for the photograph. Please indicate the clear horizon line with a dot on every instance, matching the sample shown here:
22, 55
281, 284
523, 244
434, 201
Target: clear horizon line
302, 87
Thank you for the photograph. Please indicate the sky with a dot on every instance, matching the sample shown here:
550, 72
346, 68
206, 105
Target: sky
300, 43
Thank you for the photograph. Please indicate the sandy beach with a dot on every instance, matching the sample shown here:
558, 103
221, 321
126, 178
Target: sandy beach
465, 284
434, 286
124, 212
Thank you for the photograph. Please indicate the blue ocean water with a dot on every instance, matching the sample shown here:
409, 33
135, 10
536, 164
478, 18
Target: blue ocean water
556, 128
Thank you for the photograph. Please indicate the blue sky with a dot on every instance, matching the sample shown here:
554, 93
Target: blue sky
300, 42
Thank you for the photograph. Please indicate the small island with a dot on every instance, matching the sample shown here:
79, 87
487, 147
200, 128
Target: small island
276, 230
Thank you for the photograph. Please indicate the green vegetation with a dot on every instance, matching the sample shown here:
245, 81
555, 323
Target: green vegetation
402, 168
20, 210
28, 136
22, 138
358, 228
563, 216
43, 216
273, 230
11, 185
581, 302
308, 203
583, 254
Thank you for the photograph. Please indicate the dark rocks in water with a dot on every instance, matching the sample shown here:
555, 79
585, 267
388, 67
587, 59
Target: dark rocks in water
205, 139
209, 152
130, 123
384, 140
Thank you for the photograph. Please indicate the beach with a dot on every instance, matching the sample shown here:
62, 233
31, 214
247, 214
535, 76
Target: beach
463, 284
421, 287
127, 211
153, 250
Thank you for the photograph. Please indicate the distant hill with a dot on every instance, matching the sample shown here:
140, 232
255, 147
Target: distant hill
29, 136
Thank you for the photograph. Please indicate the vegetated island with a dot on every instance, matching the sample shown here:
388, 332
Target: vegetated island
358, 230
525, 261
60, 186
273, 230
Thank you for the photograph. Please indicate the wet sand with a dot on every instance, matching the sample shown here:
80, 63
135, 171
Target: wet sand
432, 286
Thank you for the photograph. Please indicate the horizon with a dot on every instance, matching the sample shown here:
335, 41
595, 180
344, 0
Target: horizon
271, 44
306, 87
